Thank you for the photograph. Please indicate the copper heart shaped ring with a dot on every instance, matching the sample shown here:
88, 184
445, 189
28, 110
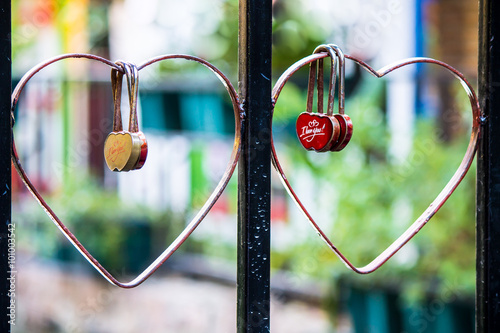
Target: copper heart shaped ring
196, 220
477, 120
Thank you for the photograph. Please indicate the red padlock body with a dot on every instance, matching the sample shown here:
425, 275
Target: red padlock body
316, 131
144, 151
345, 132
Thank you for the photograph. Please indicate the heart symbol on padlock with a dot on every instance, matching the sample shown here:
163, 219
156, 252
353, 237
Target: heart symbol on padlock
313, 123
435, 204
125, 150
195, 221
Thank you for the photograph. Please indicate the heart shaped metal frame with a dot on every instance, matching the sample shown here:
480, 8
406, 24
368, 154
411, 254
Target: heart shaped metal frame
438, 201
238, 114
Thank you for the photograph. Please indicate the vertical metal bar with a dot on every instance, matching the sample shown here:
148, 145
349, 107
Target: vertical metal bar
254, 166
5, 165
488, 173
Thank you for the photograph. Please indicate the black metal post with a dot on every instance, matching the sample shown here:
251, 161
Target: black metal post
6, 309
254, 168
488, 174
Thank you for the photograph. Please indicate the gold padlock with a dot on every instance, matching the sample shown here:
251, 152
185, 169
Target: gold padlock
125, 150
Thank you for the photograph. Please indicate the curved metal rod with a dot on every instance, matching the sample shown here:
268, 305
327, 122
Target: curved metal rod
238, 113
225, 81
29, 74
441, 197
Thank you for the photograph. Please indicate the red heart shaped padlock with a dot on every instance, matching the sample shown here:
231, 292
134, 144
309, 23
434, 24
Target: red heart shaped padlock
335, 131
316, 131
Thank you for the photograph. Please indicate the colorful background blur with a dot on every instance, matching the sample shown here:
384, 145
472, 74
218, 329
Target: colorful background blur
410, 132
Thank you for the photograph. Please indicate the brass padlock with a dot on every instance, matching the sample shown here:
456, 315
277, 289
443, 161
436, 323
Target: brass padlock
125, 150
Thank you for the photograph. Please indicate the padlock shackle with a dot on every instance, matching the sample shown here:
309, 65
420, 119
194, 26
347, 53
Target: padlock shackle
317, 66
321, 87
310, 86
116, 86
335, 53
132, 73
341, 61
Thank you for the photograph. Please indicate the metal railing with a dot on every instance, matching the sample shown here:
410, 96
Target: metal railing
254, 168
488, 180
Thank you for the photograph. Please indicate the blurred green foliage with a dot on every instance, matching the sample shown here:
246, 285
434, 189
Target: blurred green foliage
294, 35
124, 237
